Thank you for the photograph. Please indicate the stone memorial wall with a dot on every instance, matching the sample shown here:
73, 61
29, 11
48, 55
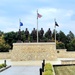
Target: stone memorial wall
33, 51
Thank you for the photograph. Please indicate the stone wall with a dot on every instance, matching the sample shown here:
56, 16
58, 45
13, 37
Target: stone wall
36, 51
62, 53
33, 51
5, 55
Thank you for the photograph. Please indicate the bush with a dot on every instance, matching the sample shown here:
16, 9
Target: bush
48, 69
4, 47
48, 73
45, 39
48, 66
60, 45
2, 65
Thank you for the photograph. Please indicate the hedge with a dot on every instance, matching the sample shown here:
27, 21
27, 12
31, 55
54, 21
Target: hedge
48, 69
2, 65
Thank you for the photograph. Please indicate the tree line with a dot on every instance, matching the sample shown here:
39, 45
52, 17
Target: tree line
63, 41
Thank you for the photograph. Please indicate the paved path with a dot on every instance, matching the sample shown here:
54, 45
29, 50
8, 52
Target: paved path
21, 70
8, 61
28, 63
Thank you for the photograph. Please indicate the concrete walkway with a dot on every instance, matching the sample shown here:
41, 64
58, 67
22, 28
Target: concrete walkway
27, 63
22, 70
24, 67
8, 61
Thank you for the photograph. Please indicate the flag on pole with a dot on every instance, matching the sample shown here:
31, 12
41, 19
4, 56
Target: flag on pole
21, 24
39, 15
56, 24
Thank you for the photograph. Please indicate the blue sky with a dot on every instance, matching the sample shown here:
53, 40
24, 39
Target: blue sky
26, 10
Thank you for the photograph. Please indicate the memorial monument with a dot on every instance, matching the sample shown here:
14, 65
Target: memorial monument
26, 34
49, 34
34, 35
41, 34
19, 36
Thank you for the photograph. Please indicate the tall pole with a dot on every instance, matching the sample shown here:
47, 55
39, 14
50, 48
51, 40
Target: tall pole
37, 26
55, 33
19, 24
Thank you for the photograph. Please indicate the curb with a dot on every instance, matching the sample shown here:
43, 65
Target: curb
4, 68
53, 70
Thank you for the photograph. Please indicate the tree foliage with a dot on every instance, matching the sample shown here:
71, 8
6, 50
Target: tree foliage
4, 47
62, 37
60, 45
70, 36
71, 45
10, 38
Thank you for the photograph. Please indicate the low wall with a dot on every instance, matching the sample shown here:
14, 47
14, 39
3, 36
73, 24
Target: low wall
33, 51
68, 62
5, 55
62, 53
36, 51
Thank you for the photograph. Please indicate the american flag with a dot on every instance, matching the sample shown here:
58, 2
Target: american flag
39, 15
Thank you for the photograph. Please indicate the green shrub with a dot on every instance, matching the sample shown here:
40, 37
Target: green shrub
48, 73
48, 67
60, 45
2, 65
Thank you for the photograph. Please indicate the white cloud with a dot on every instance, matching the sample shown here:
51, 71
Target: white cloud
69, 13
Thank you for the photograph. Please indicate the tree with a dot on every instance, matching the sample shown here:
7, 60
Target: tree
70, 36
62, 37
71, 45
53, 35
1, 33
4, 47
10, 38
57, 35
60, 45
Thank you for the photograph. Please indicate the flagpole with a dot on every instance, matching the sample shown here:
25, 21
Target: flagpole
19, 24
37, 26
55, 33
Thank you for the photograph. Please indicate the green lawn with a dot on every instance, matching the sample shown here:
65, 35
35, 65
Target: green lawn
64, 70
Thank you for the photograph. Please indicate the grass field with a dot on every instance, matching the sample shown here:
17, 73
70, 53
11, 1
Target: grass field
64, 70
